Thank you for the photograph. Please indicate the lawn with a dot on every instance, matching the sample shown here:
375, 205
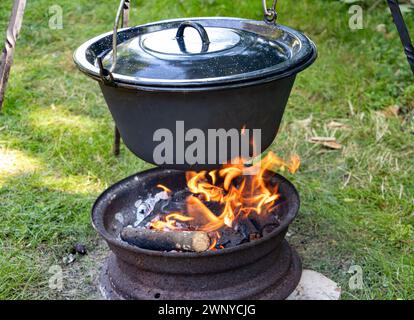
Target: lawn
357, 203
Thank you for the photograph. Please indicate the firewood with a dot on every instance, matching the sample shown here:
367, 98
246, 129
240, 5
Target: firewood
196, 241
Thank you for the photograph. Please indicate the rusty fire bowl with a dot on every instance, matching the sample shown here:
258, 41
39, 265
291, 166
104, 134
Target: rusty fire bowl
267, 268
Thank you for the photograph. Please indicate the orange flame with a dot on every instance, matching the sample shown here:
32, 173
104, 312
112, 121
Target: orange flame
170, 222
163, 188
214, 238
237, 194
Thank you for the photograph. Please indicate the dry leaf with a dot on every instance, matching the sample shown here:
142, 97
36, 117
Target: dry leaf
327, 142
332, 145
391, 111
336, 125
351, 108
323, 139
381, 28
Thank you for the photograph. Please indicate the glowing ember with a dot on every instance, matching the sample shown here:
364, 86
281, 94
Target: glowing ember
238, 194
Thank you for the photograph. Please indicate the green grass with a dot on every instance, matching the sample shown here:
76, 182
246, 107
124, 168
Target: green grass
357, 203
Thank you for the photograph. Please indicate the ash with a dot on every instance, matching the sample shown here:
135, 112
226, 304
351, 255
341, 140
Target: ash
146, 206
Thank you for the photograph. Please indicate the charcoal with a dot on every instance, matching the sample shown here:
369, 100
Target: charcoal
254, 236
79, 248
260, 221
174, 207
180, 196
177, 203
230, 238
248, 230
161, 207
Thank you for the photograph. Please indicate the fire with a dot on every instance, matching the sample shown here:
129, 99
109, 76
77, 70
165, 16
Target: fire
238, 190
164, 188
170, 222
214, 238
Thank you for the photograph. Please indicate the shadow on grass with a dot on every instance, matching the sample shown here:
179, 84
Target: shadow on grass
39, 225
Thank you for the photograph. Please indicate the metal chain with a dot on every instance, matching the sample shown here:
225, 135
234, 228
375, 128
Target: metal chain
270, 14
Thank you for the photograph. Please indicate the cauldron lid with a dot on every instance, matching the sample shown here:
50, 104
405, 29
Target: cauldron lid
199, 52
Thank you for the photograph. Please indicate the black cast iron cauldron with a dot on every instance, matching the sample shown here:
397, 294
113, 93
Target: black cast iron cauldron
267, 268
201, 73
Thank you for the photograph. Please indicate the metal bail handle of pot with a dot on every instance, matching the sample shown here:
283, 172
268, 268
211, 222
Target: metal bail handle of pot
106, 75
270, 16
115, 34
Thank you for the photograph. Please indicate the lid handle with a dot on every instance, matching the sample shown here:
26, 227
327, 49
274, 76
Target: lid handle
201, 31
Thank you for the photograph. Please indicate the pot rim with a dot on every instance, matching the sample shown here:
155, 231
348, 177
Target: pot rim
98, 225
129, 82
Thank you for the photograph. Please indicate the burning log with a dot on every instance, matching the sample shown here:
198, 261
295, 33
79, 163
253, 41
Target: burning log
196, 241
